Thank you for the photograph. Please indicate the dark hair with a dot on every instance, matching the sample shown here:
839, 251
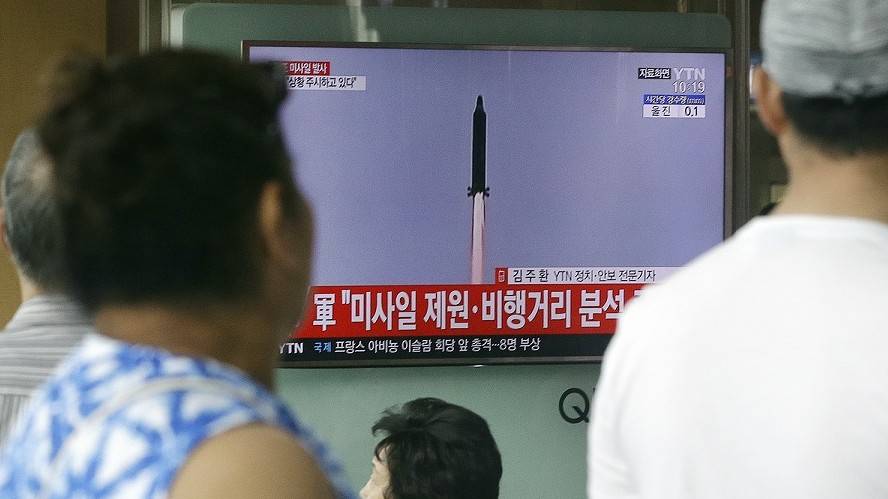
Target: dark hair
839, 126
32, 224
159, 161
437, 450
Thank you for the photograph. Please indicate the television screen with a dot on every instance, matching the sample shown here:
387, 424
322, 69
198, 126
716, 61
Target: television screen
481, 204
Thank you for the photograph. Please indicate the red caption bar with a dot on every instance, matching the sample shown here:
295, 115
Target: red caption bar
483, 309
307, 68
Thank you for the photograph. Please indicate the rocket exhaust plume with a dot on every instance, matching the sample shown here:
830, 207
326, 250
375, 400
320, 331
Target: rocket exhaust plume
478, 190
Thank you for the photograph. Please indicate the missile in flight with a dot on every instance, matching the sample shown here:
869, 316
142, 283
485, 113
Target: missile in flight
478, 190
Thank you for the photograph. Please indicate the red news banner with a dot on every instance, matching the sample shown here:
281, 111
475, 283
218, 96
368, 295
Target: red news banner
464, 310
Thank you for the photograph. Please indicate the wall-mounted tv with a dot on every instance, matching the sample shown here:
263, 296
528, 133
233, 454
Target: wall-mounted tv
488, 204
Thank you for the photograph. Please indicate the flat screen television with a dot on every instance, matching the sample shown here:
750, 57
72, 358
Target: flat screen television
489, 204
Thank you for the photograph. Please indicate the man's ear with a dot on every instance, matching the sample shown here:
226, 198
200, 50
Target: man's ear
769, 101
281, 240
286, 245
3, 230
271, 222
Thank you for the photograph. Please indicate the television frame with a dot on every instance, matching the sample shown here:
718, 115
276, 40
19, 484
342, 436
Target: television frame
728, 175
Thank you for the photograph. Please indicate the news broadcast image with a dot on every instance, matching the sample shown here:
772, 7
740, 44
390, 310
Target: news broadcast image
487, 204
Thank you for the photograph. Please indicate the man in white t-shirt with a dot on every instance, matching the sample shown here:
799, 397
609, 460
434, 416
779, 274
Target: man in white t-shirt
761, 370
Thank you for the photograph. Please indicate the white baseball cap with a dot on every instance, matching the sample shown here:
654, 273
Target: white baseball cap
827, 48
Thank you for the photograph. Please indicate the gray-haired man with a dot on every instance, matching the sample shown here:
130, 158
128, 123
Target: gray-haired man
759, 371
47, 326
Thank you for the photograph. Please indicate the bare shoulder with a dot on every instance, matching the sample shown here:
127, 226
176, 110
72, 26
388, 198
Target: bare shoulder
252, 461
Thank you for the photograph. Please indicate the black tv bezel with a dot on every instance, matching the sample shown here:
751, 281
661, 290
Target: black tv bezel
728, 194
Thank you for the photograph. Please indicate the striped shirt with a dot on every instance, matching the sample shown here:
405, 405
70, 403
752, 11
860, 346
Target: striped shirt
43, 331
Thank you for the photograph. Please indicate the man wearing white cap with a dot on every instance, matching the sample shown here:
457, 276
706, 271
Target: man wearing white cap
760, 370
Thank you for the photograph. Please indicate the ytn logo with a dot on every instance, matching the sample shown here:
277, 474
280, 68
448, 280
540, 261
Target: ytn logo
691, 74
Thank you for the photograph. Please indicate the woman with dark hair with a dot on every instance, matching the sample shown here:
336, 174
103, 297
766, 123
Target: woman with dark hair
189, 244
434, 450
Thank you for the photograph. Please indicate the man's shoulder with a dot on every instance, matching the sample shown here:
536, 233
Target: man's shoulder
46, 315
52, 335
695, 278
41, 334
45, 320
770, 260
35, 346
671, 308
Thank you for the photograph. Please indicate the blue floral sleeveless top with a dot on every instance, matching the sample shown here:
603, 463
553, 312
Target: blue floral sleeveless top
119, 420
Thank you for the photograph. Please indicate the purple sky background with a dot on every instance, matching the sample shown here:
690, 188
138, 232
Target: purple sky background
577, 176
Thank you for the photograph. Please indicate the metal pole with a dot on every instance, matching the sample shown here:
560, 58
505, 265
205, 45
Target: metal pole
154, 24
741, 175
